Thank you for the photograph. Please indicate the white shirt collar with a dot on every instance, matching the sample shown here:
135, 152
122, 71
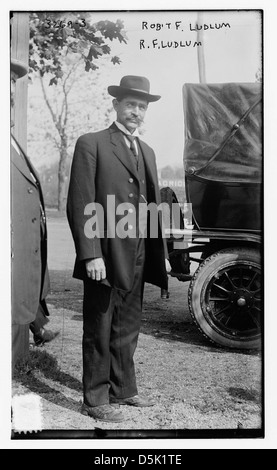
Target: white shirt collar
123, 129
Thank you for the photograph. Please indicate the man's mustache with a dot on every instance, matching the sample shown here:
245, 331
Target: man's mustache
138, 121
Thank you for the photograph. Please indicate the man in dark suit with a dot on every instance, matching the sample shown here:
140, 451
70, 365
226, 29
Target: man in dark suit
113, 174
30, 279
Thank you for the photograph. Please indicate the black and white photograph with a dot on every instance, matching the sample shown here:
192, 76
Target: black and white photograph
136, 216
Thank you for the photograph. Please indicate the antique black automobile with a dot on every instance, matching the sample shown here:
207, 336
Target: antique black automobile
223, 180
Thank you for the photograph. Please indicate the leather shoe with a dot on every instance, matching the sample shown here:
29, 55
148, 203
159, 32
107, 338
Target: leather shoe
44, 336
137, 400
102, 413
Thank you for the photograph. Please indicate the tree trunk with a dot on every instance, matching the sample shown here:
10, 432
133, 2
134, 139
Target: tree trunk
62, 179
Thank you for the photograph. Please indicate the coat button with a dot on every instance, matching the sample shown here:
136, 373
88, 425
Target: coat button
131, 195
130, 180
130, 227
131, 210
142, 181
30, 191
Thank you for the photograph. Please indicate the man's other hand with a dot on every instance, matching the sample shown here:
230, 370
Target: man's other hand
96, 269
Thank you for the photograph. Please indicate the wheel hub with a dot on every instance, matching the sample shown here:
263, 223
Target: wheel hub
241, 302
242, 298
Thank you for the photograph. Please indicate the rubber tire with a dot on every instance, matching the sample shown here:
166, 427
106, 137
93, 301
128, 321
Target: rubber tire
196, 292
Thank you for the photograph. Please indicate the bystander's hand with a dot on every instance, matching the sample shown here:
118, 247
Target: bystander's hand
168, 266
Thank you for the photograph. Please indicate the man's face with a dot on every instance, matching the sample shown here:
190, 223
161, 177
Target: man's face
14, 77
130, 111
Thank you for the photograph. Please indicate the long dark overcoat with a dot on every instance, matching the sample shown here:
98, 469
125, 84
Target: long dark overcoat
29, 273
102, 167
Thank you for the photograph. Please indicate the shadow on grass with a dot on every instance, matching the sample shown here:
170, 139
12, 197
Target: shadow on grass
48, 365
186, 332
40, 365
158, 317
244, 394
52, 395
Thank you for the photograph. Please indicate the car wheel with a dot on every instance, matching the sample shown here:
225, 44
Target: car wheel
225, 298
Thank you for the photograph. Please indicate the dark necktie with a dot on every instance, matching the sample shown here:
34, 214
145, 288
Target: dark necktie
131, 139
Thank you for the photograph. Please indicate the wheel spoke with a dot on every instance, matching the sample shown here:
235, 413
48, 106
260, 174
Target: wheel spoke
229, 319
256, 321
252, 280
256, 291
222, 288
224, 318
229, 279
223, 309
254, 318
219, 299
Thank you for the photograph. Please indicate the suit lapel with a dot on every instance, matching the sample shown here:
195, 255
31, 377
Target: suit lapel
121, 151
20, 163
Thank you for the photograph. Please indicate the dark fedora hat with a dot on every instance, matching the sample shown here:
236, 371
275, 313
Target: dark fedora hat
19, 67
133, 85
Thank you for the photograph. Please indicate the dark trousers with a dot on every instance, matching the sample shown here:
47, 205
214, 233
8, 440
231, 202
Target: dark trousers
40, 321
20, 335
110, 334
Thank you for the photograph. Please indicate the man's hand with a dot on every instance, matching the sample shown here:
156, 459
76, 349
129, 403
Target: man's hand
96, 269
167, 265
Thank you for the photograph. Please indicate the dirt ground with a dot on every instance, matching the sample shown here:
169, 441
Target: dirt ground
199, 389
